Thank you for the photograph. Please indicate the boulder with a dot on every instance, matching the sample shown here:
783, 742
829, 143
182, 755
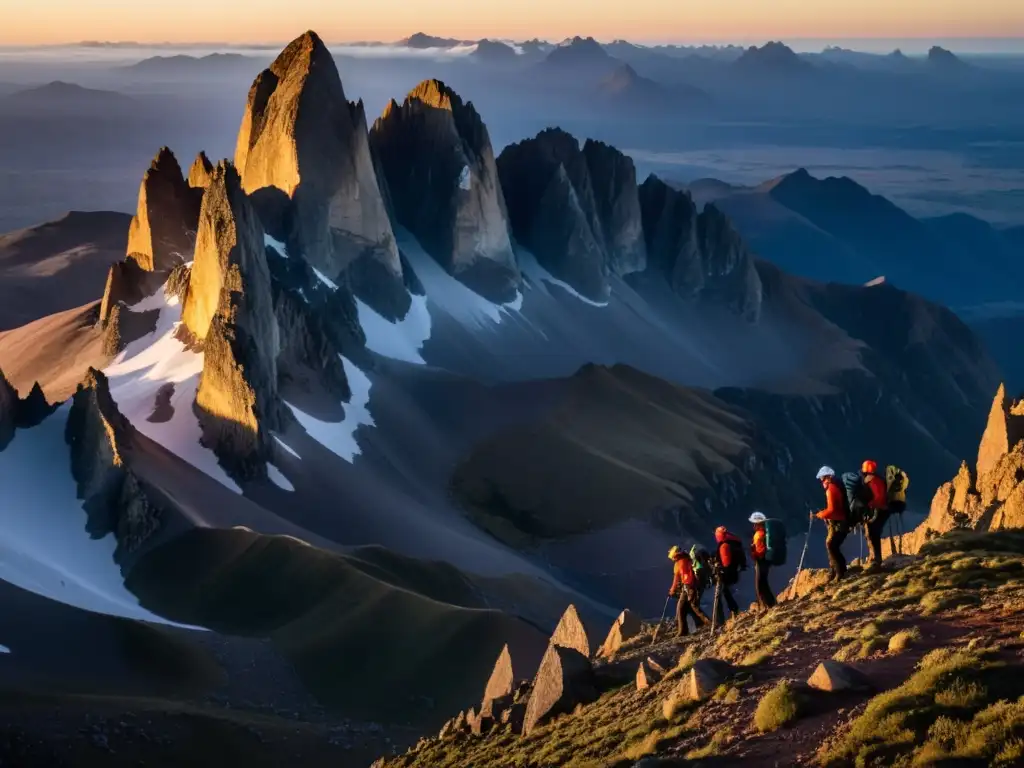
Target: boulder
201, 172
442, 180
701, 255
563, 681
833, 676
229, 312
553, 211
304, 155
569, 633
626, 627
613, 180
647, 675
162, 232
704, 678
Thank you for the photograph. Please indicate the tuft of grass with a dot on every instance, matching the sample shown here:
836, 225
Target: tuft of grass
728, 693
713, 748
868, 648
939, 601
777, 708
903, 639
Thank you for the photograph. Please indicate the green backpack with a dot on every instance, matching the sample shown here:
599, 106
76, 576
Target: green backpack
775, 542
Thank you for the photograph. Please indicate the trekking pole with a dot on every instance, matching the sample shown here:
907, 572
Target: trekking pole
661, 620
800, 565
714, 608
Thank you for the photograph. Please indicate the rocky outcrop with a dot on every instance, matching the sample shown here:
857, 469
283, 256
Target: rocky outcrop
648, 673
162, 233
626, 627
442, 178
100, 441
570, 633
704, 678
229, 313
201, 172
303, 154
501, 683
20, 413
613, 180
564, 680
834, 677
700, 254
8, 411
1003, 430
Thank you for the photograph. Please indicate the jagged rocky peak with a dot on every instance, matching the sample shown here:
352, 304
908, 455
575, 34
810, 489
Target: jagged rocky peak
700, 254
100, 439
8, 411
1005, 428
229, 311
613, 178
552, 209
201, 172
20, 413
442, 178
303, 155
162, 232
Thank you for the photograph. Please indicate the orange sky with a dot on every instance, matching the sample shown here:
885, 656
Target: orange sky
49, 21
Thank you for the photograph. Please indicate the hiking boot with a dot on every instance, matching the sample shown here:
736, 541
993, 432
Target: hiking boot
873, 567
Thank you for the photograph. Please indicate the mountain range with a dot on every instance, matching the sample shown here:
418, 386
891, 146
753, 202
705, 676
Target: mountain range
376, 401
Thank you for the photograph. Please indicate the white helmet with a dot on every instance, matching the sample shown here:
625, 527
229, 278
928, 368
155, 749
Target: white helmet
758, 517
826, 471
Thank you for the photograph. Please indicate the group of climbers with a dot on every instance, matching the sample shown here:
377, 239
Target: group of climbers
864, 498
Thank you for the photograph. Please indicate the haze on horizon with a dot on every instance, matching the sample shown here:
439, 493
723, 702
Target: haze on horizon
260, 21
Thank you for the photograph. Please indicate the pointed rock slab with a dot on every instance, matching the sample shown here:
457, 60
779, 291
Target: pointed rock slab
569, 633
9, 403
501, 684
1005, 428
647, 674
704, 678
162, 232
613, 179
700, 254
563, 681
626, 627
553, 211
229, 311
201, 173
443, 182
304, 155
833, 676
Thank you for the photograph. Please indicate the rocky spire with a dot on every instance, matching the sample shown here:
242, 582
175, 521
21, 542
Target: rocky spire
201, 172
552, 209
441, 173
701, 255
613, 179
229, 312
162, 232
1005, 428
303, 154
20, 413
8, 411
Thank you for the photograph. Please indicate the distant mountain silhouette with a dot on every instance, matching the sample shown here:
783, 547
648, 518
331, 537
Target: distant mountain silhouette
494, 51
771, 58
421, 40
626, 89
67, 97
183, 63
580, 55
943, 60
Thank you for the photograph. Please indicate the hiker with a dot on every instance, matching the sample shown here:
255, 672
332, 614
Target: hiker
759, 549
731, 559
701, 561
834, 515
684, 587
896, 481
878, 511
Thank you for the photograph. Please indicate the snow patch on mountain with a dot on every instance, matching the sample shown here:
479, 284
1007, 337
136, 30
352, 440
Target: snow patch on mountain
401, 340
533, 271
277, 245
339, 437
44, 546
465, 178
144, 371
277, 478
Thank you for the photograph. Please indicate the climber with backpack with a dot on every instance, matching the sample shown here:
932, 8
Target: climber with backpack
835, 516
701, 561
877, 511
730, 560
684, 587
896, 482
768, 549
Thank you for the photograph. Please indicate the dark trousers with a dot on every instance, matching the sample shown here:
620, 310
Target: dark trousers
837, 532
874, 531
765, 598
727, 580
689, 605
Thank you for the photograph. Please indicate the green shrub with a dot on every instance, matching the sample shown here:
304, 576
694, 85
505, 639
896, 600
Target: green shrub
903, 639
777, 708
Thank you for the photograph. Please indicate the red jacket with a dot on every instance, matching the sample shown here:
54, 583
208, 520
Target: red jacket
725, 550
682, 574
834, 503
760, 545
879, 493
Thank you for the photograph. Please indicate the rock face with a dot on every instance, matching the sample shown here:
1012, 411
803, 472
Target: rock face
442, 178
626, 627
553, 211
162, 233
1002, 432
304, 155
201, 173
647, 674
704, 677
100, 441
569, 633
832, 676
613, 179
229, 312
18, 413
8, 411
563, 680
502, 680
700, 254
